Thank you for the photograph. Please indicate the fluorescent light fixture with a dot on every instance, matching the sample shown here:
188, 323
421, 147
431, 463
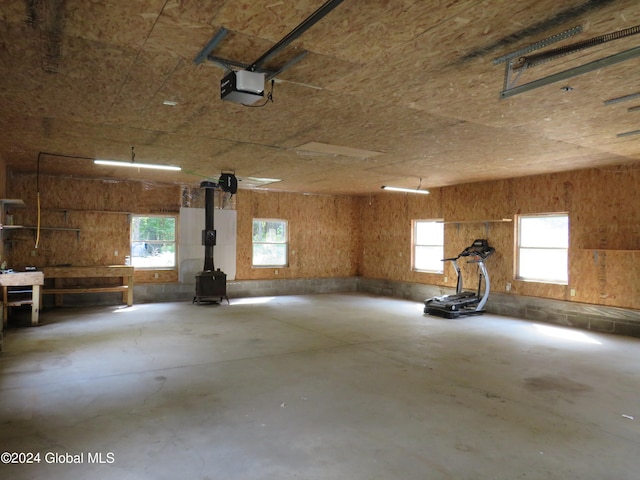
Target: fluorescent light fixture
114, 163
255, 182
628, 134
625, 98
406, 190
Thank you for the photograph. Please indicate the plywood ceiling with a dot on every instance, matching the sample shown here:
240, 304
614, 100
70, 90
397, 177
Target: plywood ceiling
413, 80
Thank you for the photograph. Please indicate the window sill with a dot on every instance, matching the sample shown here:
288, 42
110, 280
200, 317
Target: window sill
546, 282
150, 269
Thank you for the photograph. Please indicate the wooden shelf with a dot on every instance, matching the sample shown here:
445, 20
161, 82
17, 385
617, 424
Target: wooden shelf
62, 229
79, 210
4, 204
496, 220
55, 229
15, 202
596, 249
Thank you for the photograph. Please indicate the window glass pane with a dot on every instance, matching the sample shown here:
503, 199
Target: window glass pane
144, 254
153, 228
428, 246
269, 254
429, 233
544, 231
543, 242
429, 258
269, 231
545, 264
269, 243
153, 242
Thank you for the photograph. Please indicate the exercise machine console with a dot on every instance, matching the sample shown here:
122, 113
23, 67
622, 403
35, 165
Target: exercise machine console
464, 303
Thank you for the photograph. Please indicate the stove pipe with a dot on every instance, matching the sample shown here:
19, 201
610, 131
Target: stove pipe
211, 284
209, 233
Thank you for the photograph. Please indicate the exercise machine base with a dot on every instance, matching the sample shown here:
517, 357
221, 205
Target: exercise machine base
447, 311
453, 306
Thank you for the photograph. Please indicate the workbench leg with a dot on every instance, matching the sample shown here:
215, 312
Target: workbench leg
129, 292
35, 305
57, 283
5, 306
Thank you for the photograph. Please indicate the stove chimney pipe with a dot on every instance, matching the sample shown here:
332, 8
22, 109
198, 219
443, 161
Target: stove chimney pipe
209, 233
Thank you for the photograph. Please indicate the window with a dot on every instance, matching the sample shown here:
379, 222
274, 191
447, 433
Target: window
269, 243
543, 243
153, 241
428, 246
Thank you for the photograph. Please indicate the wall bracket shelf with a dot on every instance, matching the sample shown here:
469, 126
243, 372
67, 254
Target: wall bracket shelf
497, 220
56, 229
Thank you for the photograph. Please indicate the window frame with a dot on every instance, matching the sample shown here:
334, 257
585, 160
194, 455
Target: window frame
285, 243
519, 247
175, 242
415, 245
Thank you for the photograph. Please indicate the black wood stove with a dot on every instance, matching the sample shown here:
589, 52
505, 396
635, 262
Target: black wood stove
211, 284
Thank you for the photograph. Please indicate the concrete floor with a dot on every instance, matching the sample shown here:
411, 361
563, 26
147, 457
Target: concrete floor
315, 387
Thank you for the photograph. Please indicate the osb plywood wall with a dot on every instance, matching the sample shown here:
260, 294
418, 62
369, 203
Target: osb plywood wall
3, 178
340, 236
604, 215
83, 221
323, 234
323, 230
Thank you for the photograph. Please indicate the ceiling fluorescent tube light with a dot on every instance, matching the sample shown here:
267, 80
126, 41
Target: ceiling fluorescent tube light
406, 190
628, 134
114, 163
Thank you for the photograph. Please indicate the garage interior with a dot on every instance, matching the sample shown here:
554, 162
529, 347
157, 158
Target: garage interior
326, 367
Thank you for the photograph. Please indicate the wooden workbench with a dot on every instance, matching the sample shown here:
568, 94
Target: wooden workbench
22, 279
59, 273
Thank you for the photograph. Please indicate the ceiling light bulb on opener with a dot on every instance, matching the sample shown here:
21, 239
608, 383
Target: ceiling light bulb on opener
115, 163
406, 190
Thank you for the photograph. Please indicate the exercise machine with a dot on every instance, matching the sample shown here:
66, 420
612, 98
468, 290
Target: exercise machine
464, 303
